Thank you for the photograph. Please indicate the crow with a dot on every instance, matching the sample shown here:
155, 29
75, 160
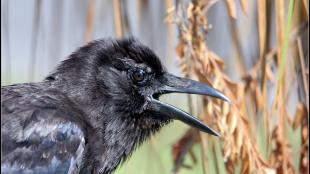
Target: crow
92, 111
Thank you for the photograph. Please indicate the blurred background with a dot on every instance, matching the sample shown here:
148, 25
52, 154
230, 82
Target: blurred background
256, 52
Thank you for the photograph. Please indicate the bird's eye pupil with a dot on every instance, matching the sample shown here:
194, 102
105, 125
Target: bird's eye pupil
138, 75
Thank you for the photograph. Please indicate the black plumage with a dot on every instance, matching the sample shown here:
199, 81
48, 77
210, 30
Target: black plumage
91, 112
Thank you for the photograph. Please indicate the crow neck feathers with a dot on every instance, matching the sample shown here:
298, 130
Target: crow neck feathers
94, 78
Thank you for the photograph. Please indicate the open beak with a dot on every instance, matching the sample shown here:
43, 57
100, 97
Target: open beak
173, 84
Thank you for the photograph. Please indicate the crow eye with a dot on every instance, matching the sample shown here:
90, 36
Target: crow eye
139, 75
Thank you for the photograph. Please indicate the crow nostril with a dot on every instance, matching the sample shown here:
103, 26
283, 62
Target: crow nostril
156, 96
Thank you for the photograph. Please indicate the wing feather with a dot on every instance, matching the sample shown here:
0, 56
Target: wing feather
41, 132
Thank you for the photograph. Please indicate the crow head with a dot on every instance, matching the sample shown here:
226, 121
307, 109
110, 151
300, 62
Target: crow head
124, 79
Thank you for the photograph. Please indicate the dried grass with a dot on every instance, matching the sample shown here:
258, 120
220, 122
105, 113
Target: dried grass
270, 147
90, 19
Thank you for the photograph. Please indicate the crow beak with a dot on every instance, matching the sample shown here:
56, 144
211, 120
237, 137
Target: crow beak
175, 84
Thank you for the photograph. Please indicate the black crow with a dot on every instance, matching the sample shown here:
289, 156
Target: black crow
91, 112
